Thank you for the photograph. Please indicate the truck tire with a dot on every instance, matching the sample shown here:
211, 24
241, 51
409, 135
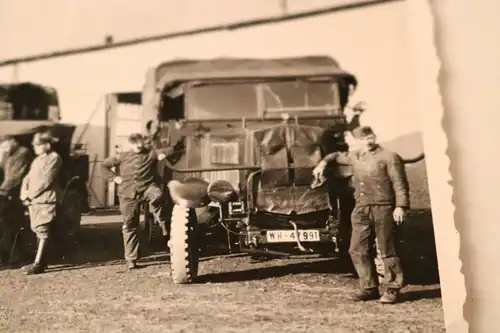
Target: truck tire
72, 206
184, 249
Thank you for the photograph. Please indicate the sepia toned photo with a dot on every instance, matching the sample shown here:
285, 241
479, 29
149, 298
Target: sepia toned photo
215, 166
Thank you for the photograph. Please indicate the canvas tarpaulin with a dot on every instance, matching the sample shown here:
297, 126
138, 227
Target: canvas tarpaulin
178, 71
283, 191
29, 96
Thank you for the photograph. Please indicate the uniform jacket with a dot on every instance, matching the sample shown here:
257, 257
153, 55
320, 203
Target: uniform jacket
138, 170
40, 185
16, 166
379, 177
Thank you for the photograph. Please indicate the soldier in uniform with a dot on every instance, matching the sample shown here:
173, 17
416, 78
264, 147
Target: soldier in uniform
40, 191
138, 181
382, 197
340, 191
16, 161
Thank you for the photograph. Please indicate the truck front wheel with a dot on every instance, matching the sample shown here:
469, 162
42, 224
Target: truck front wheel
184, 248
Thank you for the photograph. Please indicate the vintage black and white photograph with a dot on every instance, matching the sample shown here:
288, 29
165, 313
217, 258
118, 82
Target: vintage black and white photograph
213, 166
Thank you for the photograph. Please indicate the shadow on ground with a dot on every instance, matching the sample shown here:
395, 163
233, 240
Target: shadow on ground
101, 245
418, 248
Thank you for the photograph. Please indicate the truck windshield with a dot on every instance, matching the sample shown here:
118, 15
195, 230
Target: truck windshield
300, 96
221, 101
28, 102
250, 100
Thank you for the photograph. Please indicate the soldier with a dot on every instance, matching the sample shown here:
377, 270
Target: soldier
382, 198
339, 189
40, 191
16, 161
138, 181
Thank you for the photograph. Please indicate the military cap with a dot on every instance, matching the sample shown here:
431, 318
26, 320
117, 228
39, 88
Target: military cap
366, 131
43, 138
135, 137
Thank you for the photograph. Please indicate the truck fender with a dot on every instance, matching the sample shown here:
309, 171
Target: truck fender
78, 184
415, 159
189, 193
74, 182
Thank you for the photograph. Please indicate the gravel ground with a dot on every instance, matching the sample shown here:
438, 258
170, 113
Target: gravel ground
96, 294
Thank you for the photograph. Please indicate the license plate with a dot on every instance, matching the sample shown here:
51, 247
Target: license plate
283, 236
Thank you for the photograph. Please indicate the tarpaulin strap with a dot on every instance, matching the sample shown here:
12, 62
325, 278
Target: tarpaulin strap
299, 244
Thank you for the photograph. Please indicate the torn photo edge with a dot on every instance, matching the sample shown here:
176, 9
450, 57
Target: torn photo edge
427, 68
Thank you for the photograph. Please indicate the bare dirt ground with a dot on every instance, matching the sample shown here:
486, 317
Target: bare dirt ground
96, 294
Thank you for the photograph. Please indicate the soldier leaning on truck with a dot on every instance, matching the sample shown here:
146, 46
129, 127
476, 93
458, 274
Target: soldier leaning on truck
16, 162
138, 181
40, 191
382, 197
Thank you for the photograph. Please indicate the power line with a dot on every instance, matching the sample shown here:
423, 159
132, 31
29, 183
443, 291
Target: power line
185, 33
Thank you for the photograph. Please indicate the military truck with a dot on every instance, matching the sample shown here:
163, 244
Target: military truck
26, 108
253, 130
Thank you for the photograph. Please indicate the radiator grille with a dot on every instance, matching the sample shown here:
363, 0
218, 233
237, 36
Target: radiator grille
224, 153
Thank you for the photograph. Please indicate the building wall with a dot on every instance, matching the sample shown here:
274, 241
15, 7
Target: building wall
370, 42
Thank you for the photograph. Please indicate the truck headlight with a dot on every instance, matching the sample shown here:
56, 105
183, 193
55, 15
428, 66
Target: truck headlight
236, 208
221, 191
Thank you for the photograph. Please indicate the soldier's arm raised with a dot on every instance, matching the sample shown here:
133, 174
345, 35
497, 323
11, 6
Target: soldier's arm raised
163, 153
108, 164
179, 145
397, 174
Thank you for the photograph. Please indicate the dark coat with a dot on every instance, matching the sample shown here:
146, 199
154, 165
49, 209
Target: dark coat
16, 166
379, 177
138, 170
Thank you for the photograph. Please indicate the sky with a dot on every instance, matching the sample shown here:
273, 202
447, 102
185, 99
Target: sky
82, 81
372, 43
31, 26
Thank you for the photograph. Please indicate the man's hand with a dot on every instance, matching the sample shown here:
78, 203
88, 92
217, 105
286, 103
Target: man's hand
118, 180
319, 174
161, 157
180, 144
399, 215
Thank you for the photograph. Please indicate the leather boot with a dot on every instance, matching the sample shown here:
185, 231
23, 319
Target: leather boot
364, 295
390, 296
39, 265
131, 265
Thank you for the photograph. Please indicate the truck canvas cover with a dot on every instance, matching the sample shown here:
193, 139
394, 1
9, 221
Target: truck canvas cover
286, 151
24, 101
170, 76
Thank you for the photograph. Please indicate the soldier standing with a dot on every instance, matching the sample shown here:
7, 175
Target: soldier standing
138, 181
339, 189
16, 162
382, 197
40, 191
